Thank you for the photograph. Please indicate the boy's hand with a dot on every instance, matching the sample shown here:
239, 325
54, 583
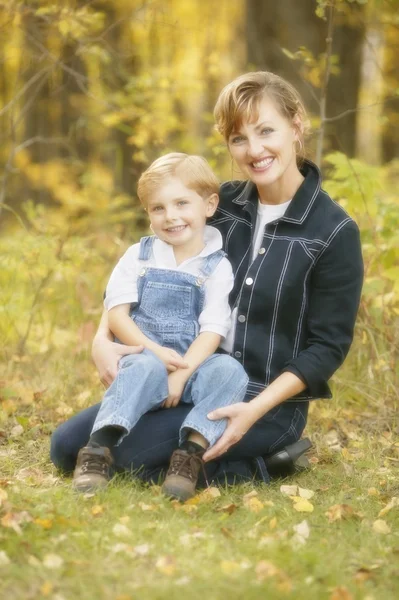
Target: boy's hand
171, 359
176, 383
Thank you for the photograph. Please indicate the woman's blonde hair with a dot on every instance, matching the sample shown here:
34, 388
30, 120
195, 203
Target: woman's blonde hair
239, 101
192, 170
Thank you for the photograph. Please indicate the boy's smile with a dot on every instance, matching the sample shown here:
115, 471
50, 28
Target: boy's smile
178, 216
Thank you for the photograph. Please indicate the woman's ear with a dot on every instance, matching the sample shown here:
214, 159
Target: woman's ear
299, 128
211, 205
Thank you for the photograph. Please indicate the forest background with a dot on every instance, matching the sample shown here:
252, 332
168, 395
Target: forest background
90, 93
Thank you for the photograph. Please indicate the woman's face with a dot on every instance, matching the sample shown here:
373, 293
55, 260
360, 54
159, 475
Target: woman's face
264, 150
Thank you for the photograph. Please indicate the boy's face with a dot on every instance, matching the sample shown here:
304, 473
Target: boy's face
178, 214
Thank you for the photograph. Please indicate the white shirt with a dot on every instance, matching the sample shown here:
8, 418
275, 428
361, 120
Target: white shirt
216, 314
266, 213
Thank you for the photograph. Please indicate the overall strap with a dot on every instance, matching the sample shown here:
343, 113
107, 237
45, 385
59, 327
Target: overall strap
210, 263
146, 244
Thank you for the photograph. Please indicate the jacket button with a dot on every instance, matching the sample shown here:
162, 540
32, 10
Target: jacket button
261, 250
249, 281
237, 354
242, 318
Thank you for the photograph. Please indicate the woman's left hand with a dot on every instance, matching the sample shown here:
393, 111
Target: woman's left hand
241, 417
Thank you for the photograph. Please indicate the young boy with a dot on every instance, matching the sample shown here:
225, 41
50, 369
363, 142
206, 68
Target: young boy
178, 282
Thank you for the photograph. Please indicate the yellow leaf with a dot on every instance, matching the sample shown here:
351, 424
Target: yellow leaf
254, 505
273, 523
97, 509
373, 492
394, 502
166, 565
381, 526
64, 27
303, 505
44, 523
47, 588
229, 567
227, 508
209, 494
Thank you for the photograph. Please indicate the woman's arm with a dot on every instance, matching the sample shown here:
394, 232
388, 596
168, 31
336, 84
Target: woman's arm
106, 353
243, 415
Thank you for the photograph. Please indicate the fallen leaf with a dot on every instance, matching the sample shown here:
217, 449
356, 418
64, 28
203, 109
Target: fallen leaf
307, 494
209, 494
166, 565
14, 520
363, 574
273, 523
394, 502
227, 533
229, 567
44, 523
254, 505
289, 490
16, 431
381, 526
47, 588
53, 561
339, 512
341, 593
265, 569
147, 507
373, 492
3, 496
302, 532
121, 530
97, 510
227, 508
142, 550
303, 505
4, 560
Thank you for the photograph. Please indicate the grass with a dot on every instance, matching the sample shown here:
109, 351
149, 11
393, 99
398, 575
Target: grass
129, 542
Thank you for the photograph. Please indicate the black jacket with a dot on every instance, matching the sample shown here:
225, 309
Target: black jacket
297, 302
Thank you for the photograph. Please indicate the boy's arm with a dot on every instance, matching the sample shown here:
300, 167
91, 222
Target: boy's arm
124, 328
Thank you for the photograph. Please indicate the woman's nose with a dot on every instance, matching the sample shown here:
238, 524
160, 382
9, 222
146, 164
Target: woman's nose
255, 147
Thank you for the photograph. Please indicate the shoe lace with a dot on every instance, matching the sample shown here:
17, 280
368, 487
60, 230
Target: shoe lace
94, 464
183, 465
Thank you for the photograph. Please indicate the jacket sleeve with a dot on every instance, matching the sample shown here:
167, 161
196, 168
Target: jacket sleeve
334, 297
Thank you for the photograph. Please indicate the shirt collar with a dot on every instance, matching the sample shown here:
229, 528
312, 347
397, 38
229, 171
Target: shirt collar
302, 201
213, 240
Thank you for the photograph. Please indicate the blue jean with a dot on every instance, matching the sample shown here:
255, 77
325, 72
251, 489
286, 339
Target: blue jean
142, 385
147, 449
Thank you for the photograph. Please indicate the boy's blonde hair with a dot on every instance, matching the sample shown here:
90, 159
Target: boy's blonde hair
193, 171
239, 100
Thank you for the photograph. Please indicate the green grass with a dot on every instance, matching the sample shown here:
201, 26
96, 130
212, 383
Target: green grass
129, 542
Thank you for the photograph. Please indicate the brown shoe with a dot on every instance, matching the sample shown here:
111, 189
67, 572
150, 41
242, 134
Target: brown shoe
92, 471
182, 476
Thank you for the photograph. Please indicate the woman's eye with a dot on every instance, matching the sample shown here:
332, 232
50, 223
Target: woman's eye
182, 202
266, 131
156, 208
237, 139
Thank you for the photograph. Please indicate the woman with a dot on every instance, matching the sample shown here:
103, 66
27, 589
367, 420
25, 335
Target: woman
298, 270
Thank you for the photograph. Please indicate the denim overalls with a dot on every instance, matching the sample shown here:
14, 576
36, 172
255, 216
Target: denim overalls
167, 311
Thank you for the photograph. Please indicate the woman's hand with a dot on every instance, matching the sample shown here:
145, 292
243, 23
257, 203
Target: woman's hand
241, 417
176, 383
106, 356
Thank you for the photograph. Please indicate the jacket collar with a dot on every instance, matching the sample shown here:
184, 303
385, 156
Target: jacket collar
302, 201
